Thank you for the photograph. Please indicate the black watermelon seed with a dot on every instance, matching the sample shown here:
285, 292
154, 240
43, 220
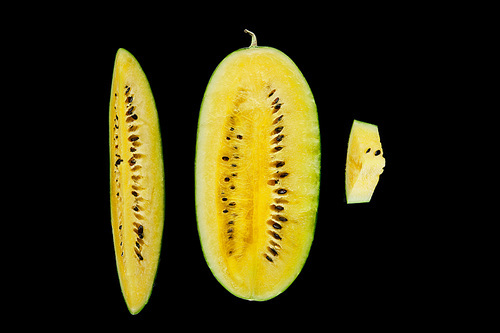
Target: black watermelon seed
269, 258
282, 191
377, 152
368, 150
277, 120
276, 226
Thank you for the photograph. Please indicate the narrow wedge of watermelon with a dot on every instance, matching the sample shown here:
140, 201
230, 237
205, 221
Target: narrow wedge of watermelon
365, 162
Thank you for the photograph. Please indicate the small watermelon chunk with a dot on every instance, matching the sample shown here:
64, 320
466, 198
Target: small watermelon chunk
365, 162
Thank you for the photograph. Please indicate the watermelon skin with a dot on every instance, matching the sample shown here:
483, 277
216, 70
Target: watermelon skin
365, 162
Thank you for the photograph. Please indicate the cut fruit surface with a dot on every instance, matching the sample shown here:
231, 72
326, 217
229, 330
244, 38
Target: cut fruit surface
257, 172
136, 180
365, 162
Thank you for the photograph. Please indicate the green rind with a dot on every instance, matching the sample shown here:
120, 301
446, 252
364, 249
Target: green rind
162, 174
314, 201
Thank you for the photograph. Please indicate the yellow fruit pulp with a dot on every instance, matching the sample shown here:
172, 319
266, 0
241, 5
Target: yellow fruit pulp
136, 180
365, 162
257, 172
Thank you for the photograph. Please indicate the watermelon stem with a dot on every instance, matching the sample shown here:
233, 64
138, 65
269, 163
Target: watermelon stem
254, 38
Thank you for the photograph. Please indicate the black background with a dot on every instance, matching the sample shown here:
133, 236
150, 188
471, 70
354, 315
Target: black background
369, 265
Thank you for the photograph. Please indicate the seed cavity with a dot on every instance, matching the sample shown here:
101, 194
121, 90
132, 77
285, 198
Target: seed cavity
273, 251
277, 208
274, 234
277, 120
279, 164
138, 253
274, 244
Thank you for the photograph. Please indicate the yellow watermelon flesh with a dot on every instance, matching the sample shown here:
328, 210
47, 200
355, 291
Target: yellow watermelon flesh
365, 162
